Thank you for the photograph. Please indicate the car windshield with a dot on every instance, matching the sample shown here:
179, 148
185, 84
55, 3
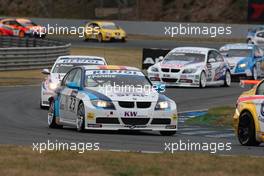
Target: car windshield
185, 57
28, 23
109, 26
63, 68
65, 64
113, 78
237, 53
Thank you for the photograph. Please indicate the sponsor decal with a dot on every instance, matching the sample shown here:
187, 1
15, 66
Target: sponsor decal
94, 73
130, 114
90, 115
152, 56
82, 60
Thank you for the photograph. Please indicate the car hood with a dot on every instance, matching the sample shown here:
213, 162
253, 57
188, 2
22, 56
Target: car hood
115, 95
179, 64
235, 60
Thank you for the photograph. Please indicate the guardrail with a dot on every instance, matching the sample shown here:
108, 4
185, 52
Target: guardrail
29, 53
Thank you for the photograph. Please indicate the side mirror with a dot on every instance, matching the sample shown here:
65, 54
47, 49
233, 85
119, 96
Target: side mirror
45, 71
211, 60
73, 85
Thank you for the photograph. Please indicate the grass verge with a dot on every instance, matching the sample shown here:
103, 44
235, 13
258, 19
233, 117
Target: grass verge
17, 160
218, 116
114, 56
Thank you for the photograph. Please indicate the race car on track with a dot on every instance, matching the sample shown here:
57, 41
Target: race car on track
192, 67
19, 29
245, 60
256, 36
38, 31
62, 65
6, 30
248, 119
104, 31
111, 98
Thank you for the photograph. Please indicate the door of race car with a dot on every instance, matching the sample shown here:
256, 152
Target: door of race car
260, 105
259, 59
214, 65
68, 98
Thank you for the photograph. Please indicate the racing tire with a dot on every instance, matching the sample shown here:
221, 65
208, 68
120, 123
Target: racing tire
227, 81
51, 117
123, 40
202, 82
100, 38
254, 73
246, 132
42, 107
80, 121
167, 133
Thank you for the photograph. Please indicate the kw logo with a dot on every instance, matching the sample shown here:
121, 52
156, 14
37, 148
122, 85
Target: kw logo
130, 114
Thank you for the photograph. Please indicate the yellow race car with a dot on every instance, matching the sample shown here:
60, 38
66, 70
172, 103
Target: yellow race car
104, 31
248, 119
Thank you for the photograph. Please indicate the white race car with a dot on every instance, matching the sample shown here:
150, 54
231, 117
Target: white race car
62, 65
256, 36
191, 67
111, 98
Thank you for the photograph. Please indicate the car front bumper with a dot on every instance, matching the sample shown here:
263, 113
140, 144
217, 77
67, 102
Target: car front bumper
98, 119
175, 79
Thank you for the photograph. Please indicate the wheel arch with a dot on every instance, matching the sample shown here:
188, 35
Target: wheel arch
252, 111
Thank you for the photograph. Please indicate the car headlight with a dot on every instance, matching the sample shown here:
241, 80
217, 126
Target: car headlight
242, 65
162, 105
53, 86
154, 69
103, 104
189, 70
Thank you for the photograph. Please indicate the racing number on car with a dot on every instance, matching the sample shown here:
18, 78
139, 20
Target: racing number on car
209, 74
72, 104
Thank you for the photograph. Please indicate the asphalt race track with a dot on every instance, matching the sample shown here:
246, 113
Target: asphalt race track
23, 122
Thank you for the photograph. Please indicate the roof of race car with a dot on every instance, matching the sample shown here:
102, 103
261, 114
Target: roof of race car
198, 50
237, 46
109, 67
102, 22
23, 20
79, 59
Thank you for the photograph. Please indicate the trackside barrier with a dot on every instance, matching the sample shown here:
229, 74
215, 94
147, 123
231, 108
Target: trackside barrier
29, 53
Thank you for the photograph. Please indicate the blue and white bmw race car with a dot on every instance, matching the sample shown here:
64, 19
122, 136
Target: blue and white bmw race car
62, 65
245, 60
191, 67
111, 98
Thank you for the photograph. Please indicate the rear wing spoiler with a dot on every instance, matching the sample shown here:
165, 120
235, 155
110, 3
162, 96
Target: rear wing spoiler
249, 82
